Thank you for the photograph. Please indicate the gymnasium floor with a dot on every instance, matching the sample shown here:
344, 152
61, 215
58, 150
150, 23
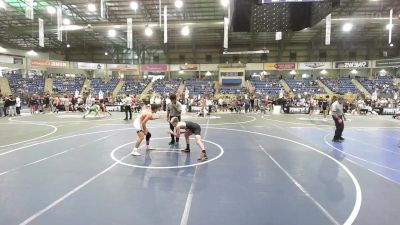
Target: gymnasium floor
263, 170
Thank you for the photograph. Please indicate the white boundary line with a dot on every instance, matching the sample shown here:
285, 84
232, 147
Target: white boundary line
358, 202
189, 199
37, 124
356, 157
62, 198
61, 138
302, 189
53, 156
112, 155
217, 124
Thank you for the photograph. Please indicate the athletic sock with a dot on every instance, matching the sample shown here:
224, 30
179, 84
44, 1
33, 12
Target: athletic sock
187, 146
203, 151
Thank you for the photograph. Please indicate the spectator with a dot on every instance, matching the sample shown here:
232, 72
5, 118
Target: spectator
18, 105
2, 109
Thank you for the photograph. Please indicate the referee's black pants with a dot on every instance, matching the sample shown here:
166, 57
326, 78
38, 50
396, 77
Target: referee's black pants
128, 109
172, 128
339, 127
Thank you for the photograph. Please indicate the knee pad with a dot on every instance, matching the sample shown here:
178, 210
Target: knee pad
148, 136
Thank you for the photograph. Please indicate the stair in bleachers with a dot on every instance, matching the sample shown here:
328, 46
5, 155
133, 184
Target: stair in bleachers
250, 87
287, 88
48, 85
327, 90
361, 88
145, 92
118, 87
181, 89
85, 85
5, 86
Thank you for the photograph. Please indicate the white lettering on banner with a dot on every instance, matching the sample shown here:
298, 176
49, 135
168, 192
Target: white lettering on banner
296, 110
389, 111
355, 64
315, 65
352, 64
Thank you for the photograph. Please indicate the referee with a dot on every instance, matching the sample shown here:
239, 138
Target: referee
338, 117
174, 109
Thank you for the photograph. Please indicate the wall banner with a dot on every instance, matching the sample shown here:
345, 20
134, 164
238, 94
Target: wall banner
351, 64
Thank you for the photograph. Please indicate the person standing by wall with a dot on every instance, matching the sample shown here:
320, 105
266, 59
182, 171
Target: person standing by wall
12, 106
2, 111
127, 104
18, 105
338, 117
174, 109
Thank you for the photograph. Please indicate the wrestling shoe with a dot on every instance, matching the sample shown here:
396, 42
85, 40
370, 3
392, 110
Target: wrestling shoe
341, 139
186, 149
203, 157
135, 153
171, 143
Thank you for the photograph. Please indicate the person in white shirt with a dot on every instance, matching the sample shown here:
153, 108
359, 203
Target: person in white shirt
18, 105
127, 105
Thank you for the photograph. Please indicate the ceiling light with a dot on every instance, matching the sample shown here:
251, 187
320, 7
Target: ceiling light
293, 72
208, 74
178, 4
112, 33
68, 45
347, 27
134, 5
105, 53
51, 10
2, 50
353, 71
389, 26
66, 21
391, 44
225, 3
2, 4
148, 31
185, 31
324, 72
32, 53
181, 72
91, 7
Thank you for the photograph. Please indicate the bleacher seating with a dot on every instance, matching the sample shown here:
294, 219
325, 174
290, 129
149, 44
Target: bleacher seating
20, 85
308, 86
271, 87
199, 87
164, 87
383, 85
233, 90
134, 87
342, 85
98, 84
62, 85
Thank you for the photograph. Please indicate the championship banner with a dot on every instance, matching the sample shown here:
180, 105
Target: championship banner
49, 63
189, 67
280, 66
154, 67
41, 33
129, 33
122, 67
328, 30
59, 23
226, 32
165, 25
351, 64
29, 9
314, 65
387, 63
6, 59
88, 66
